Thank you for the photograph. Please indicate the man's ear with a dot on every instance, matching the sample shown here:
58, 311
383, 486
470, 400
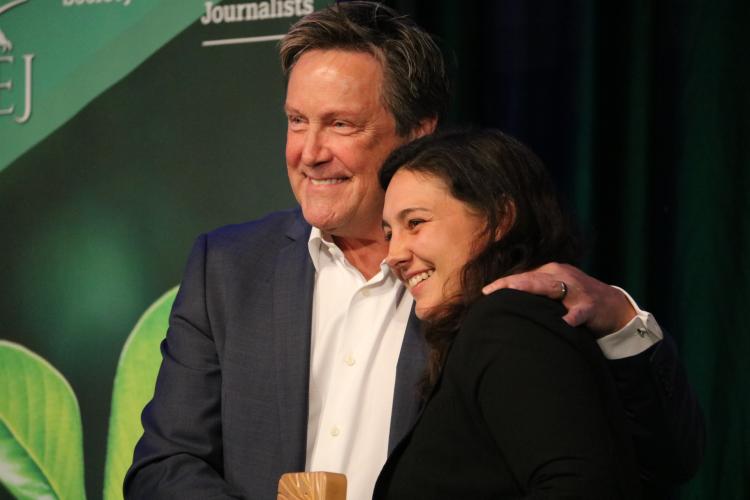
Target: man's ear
426, 127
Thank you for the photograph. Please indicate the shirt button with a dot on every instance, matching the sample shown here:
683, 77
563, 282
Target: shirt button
335, 431
366, 292
349, 360
641, 332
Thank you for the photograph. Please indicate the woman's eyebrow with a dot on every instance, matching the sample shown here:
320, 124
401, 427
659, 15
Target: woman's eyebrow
403, 214
406, 211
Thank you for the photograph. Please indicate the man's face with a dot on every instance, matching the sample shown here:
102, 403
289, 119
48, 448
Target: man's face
338, 135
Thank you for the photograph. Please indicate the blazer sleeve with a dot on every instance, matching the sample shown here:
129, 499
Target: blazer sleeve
543, 402
180, 452
663, 415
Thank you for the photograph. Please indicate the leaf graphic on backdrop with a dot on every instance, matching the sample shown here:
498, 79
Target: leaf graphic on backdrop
133, 388
41, 444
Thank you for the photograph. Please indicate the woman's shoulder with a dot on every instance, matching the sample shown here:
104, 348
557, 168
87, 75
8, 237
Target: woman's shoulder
508, 304
512, 317
523, 336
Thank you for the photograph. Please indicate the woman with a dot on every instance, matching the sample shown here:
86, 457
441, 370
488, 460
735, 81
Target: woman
519, 404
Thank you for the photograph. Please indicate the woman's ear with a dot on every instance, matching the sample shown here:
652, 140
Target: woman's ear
508, 218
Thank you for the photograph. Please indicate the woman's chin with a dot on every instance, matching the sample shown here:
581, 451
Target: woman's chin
424, 312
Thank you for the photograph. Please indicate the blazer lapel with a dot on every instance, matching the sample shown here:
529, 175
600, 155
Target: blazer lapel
406, 398
294, 279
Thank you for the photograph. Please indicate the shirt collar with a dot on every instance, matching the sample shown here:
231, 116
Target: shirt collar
319, 241
315, 245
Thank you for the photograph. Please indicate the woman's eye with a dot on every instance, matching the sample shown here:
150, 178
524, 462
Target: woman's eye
414, 223
387, 235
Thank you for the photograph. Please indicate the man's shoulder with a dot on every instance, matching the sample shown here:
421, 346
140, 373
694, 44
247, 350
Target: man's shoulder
270, 230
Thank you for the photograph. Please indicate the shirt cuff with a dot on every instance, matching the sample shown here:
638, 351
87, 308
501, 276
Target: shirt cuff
638, 335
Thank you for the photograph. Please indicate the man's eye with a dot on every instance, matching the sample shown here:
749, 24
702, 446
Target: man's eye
341, 126
387, 235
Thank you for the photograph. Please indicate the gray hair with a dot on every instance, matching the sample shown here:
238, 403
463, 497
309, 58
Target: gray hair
415, 86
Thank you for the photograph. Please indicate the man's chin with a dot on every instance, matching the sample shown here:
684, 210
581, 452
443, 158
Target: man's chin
343, 225
324, 220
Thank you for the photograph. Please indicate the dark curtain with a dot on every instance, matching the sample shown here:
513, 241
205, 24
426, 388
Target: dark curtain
641, 111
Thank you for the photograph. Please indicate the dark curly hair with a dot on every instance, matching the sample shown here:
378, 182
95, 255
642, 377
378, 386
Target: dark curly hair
506, 183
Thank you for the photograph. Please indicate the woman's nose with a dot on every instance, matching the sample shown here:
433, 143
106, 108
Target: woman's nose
398, 253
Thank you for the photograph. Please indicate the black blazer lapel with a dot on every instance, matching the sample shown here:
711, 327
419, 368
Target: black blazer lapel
294, 279
406, 398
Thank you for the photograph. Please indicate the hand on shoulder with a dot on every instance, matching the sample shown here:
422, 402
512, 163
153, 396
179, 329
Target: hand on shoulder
598, 306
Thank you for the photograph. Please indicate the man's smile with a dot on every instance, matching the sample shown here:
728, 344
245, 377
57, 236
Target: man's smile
327, 181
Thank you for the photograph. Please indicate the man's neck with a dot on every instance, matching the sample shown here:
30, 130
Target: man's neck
364, 254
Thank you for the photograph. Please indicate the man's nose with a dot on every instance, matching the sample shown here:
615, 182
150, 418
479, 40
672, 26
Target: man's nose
315, 150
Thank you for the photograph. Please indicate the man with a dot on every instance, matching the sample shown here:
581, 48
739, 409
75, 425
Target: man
292, 347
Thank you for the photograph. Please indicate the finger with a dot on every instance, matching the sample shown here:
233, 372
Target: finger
530, 282
515, 282
563, 272
575, 317
557, 270
495, 286
545, 285
562, 291
552, 268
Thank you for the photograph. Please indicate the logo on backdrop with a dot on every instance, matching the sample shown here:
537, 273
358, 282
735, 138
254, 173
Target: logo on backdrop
252, 11
20, 114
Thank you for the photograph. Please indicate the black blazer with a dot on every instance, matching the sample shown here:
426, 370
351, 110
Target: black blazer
525, 407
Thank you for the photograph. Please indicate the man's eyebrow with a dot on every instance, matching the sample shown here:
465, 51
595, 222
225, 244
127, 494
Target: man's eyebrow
353, 113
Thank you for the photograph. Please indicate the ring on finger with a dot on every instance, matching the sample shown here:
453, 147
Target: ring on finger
563, 291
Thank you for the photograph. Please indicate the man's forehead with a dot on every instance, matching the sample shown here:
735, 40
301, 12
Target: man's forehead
357, 65
335, 81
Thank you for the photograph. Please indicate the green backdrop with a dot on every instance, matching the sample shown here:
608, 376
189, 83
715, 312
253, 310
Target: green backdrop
129, 127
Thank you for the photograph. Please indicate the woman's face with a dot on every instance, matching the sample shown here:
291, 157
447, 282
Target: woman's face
432, 236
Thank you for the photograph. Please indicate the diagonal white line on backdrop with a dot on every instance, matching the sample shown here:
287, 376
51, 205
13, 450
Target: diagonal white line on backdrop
235, 41
11, 5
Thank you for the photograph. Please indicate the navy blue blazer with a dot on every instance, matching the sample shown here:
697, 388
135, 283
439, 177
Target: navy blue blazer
229, 413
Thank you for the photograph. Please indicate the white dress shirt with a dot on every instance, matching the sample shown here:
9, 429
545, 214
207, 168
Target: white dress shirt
358, 327
638, 335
